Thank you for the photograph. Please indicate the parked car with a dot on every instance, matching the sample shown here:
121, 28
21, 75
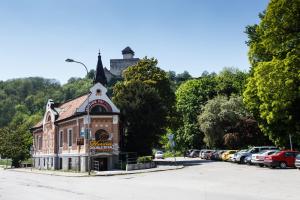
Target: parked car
297, 161
248, 160
258, 158
226, 154
159, 155
206, 154
282, 159
209, 154
195, 153
240, 158
217, 155
233, 159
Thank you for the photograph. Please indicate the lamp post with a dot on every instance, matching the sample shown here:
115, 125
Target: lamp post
87, 137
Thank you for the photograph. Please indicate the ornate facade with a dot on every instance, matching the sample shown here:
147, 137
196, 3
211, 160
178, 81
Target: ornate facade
67, 137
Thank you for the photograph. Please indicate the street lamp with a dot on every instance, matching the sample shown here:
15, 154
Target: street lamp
88, 115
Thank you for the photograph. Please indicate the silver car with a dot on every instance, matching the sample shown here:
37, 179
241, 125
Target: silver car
258, 158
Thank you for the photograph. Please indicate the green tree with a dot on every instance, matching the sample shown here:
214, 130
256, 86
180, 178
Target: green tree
143, 114
272, 93
231, 81
15, 139
146, 70
191, 96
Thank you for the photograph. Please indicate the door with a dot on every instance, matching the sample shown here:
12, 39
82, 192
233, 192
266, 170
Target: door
100, 164
290, 158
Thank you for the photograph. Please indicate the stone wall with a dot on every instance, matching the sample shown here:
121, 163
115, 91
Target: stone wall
118, 65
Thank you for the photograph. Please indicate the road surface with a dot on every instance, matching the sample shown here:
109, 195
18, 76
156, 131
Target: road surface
207, 181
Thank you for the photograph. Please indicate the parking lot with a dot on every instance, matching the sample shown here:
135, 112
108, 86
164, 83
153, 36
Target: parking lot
206, 180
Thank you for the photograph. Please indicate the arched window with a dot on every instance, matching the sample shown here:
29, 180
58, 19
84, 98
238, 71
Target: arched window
49, 118
101, 135
98, 109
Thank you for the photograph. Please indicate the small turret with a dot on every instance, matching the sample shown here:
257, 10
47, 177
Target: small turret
128, 53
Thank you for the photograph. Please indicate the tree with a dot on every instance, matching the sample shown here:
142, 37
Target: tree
191, 96
143, 114
226, 123
15, 139
231, 81
272, 92
146, 70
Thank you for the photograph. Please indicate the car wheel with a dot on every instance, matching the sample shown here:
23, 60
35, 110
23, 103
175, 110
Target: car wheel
282, 165
242, 160
261, 165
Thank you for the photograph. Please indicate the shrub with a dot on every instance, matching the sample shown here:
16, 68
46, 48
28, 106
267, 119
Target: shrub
144, 159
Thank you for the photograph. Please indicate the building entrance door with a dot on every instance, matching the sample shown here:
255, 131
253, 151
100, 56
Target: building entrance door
100, 164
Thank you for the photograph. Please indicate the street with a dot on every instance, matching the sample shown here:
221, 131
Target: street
207, 181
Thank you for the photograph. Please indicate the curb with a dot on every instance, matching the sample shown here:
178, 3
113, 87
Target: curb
94, 175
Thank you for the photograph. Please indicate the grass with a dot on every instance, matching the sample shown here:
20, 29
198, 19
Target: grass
5, 161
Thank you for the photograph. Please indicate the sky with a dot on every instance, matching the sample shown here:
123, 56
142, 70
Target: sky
36, 36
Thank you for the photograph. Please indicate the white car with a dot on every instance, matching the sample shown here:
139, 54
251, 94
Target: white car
159, 155
258, 158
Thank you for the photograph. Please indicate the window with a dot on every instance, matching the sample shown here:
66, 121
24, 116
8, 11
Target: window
40, 142
289, 154
98, 109
101, 135
61, 138
70, 163
70, 137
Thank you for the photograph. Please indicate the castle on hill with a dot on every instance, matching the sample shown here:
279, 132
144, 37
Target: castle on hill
117, 66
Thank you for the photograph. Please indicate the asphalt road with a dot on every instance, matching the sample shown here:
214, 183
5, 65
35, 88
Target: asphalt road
207, 181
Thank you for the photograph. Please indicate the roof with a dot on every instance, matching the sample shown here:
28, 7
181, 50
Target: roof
127, 50
100, 75
67, 109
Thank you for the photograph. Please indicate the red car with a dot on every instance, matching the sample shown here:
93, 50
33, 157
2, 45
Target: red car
282, 159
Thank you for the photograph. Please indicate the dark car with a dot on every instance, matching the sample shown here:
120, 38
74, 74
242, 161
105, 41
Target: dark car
217, 155
195, 153
282, 159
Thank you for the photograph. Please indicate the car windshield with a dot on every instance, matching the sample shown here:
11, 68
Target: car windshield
298, 156
159, 152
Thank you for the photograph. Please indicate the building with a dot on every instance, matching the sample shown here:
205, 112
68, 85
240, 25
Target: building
60, 137
117, 66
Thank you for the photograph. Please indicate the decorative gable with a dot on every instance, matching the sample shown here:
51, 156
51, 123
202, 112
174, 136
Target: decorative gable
98, 100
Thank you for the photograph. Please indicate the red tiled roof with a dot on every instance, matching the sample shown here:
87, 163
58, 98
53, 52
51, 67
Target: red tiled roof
66, 109
69, 108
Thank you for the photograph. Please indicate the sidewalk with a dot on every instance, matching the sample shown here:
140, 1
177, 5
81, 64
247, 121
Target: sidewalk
102, 173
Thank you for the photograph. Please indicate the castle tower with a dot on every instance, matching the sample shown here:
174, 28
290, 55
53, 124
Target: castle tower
127, 53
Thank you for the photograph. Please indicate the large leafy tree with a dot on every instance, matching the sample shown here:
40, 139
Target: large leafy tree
143, 114
15, 139
147, 71
145, 75
190, 96
231, 81
226, 123
273, 90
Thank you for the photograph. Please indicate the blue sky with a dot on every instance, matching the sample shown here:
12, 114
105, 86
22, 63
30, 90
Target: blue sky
194, 35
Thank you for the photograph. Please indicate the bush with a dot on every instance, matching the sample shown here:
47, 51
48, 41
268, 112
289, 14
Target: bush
144, 159
168, 154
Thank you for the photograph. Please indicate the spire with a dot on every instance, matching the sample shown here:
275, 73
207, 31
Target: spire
100, 76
